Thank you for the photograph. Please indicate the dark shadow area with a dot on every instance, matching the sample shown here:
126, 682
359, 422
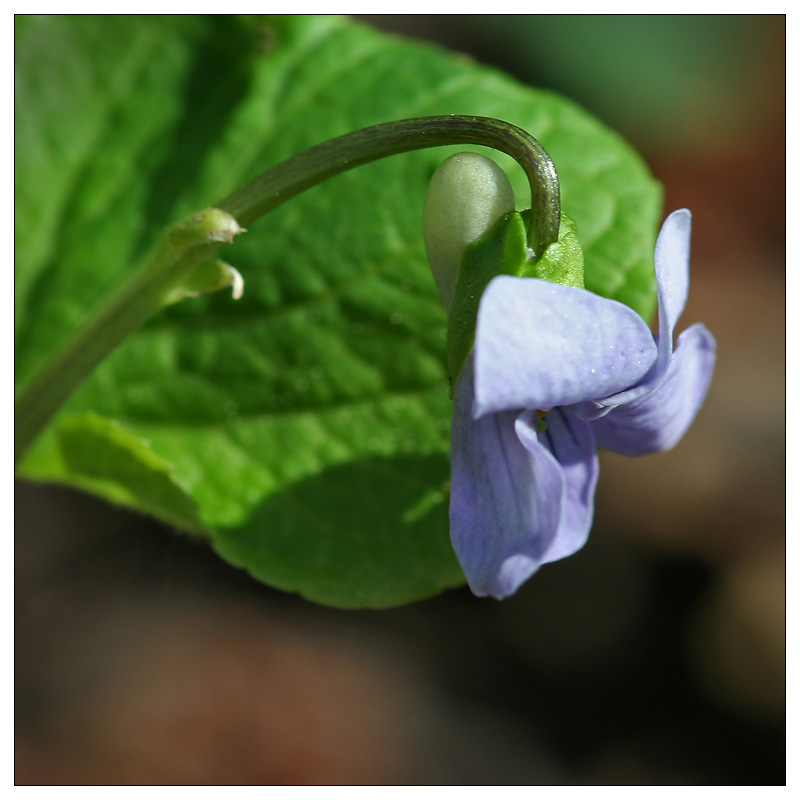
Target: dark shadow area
130, 638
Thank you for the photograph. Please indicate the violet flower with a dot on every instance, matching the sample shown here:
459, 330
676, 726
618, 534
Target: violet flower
556, 372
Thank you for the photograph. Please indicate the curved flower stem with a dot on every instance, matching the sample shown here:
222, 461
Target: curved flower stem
189, 243
284, 181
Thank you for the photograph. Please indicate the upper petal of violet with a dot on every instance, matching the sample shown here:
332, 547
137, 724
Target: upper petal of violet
672, 281
672, 278
539, 345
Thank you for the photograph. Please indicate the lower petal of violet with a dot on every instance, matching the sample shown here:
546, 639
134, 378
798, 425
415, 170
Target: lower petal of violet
571, 441
506, 500
658, 420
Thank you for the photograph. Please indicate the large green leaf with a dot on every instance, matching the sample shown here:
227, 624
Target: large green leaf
305, 427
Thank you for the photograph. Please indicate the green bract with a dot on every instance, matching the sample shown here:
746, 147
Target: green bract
303, 429
561, 262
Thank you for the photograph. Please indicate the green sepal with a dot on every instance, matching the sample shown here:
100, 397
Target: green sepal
562, 261
501, 251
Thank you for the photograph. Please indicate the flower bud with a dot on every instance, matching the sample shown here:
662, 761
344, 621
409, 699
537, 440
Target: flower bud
467, 195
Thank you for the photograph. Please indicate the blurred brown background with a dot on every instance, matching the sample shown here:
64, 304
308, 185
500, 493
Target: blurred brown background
656, 655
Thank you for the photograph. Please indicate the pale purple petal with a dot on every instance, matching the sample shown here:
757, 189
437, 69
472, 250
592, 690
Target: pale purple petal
505, 501
539, 345
572, 443
658, 420
672, 280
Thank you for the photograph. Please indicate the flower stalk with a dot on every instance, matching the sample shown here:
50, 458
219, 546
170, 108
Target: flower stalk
187, 245
295, 175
